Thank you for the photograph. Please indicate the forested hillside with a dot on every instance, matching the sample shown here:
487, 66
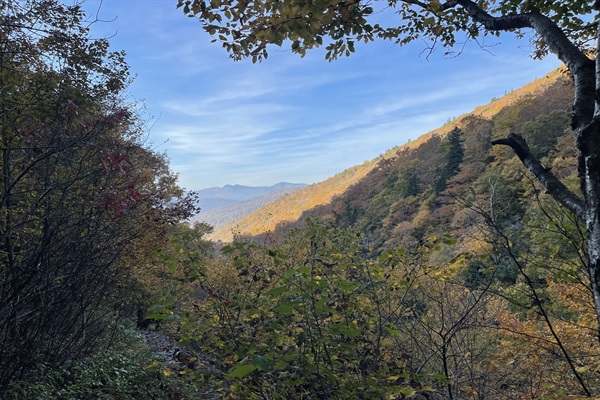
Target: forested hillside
290, 208
441, 270
445, 272
422, 189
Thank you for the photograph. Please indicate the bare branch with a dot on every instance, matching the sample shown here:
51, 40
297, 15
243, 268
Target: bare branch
582, 67
555, 187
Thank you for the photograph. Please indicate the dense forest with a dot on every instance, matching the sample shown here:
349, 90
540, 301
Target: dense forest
447, 272
444, 271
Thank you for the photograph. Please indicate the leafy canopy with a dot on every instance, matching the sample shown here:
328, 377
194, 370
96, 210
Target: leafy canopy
246, 27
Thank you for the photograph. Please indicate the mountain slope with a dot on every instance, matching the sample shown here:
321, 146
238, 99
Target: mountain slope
433, 189
492, 108
290, 207
217, 197
222, 216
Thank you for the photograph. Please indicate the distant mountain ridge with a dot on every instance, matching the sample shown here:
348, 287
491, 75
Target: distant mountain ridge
223, 206
290, 207
217, 197
228, 214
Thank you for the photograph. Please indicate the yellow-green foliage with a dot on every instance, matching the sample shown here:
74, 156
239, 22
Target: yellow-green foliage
323, 317
290, 207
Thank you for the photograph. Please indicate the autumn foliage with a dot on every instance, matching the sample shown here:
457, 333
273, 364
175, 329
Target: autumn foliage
79, 194
406, 286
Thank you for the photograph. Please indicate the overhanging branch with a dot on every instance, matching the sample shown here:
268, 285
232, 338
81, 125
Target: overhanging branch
554, 187
555, 38
582, 67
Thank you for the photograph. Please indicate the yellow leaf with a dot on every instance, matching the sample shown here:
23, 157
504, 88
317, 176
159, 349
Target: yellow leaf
153, 364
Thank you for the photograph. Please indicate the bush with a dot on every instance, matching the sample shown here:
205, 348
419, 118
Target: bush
126, 371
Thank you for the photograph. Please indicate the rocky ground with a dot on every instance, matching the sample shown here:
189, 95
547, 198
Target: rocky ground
188, 361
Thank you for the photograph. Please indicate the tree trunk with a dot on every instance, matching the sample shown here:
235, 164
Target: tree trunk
589, 146
585, 123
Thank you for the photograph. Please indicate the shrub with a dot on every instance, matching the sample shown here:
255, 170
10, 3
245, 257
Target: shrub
125, 371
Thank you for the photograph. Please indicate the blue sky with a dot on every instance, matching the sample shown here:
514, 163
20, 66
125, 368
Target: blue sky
289, 118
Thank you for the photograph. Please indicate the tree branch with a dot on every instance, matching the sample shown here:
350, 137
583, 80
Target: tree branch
582, 68
554, 187
555, 38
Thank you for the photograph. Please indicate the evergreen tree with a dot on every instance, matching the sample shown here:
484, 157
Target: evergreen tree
454, 157
408, 184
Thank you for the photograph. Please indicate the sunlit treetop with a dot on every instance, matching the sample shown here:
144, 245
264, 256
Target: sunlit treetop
247, 27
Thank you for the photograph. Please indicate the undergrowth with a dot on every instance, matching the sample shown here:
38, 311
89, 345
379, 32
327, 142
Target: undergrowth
125, 370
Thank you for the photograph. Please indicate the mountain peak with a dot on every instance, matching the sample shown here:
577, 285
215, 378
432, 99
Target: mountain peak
229, 194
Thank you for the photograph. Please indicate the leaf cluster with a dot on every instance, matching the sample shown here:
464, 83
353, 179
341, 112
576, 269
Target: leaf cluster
245, 28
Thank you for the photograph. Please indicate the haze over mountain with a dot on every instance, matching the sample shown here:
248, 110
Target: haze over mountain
290, 208
223, 206
216, 197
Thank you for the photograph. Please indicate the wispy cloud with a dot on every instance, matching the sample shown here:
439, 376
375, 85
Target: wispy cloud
294, 119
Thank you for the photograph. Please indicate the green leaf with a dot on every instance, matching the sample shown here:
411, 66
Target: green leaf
407, 391
242, 370
285, 307
392, 330
277, 290
435, 5
440, 377
261, 363
304, 270
227, 250
351, 332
